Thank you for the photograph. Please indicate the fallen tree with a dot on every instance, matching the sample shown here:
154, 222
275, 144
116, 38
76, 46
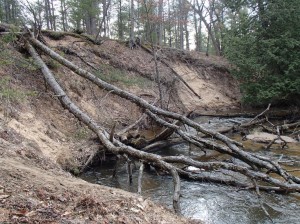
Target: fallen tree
103, 136
255, 167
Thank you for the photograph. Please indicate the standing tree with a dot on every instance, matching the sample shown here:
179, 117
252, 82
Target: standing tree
84, 14
198, 24
64, 14
131, 34
9, 11
121, 26
160, 22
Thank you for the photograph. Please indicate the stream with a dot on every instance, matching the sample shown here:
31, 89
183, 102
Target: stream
212, 203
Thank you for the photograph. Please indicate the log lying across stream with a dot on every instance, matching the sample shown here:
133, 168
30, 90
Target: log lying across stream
253, 166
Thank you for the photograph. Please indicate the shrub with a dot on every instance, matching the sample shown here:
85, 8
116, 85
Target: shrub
8, 93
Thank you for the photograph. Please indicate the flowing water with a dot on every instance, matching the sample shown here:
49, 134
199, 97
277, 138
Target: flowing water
212, 203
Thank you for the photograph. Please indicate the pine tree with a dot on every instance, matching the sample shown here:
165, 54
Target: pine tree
264, 46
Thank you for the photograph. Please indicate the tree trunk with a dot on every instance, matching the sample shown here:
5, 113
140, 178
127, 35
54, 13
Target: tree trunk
103, 24
180, 22
120, 21
53, 16
160, 22
187, 37
158, 78
207, 25
47, 16
131, 38
63, 14
101, 133
196, 29
169, 21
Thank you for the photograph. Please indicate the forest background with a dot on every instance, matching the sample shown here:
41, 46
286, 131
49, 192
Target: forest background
261, 39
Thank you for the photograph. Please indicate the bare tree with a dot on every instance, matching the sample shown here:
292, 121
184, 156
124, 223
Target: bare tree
131, 33
160, 22
180, 22
207, 23
64, 15
9, 11
198, 25
103, 26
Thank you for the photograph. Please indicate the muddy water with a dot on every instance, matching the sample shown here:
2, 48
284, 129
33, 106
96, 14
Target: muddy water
210, 202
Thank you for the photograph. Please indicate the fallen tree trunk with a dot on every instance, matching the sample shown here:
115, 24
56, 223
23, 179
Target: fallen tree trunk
240, 126
231, 148
289, 126
252, 122
101, 133
167, 132
162, 144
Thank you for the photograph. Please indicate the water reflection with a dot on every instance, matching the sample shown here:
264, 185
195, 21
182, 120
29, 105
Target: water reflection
208, 202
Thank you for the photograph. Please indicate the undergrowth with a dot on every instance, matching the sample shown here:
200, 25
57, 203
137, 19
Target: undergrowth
8, 93
11, 59
81, 133
11, 63
111, 74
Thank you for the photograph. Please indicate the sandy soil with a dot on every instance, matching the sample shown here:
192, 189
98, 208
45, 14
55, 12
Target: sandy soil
207, 76
213, 94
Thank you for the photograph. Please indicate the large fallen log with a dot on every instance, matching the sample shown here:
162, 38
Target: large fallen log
101, 133
59, 35
167, 132
231, 147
